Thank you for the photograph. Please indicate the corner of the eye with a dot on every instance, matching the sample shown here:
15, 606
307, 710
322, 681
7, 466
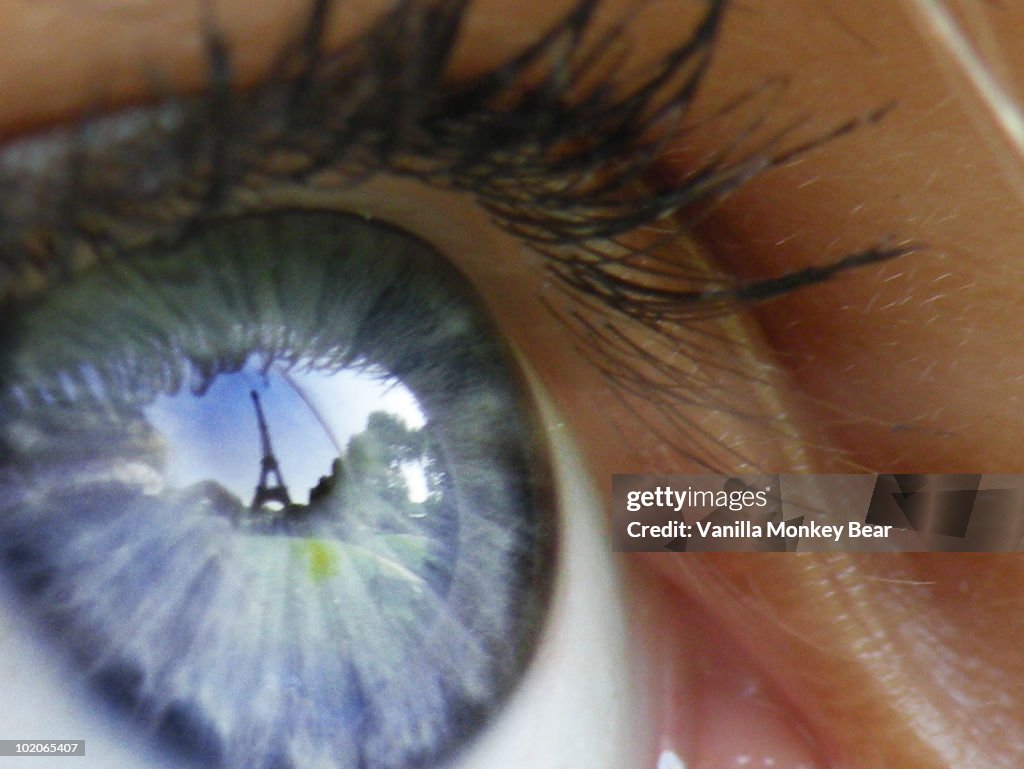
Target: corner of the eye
719, 708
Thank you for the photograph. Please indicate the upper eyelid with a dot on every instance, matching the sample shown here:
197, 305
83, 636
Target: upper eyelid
550, 164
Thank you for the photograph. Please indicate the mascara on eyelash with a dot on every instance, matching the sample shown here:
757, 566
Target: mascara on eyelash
558, 163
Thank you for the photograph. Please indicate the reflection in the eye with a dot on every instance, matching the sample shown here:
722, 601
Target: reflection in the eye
294, 431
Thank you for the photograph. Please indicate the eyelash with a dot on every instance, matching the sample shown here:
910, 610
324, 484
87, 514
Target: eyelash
558, 156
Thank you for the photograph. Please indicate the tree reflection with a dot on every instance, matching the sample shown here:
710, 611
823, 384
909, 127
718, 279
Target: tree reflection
380, 458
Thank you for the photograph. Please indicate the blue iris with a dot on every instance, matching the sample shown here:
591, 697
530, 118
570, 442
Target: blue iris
278, 494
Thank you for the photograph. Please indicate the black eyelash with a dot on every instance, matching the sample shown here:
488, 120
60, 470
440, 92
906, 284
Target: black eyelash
554, 153
560, 155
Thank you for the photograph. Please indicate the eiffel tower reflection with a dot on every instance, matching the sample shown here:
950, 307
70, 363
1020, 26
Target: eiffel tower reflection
271, 486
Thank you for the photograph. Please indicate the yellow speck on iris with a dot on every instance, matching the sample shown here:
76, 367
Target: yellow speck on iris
320, 557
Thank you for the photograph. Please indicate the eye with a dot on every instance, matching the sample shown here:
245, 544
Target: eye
593, 430
119, 373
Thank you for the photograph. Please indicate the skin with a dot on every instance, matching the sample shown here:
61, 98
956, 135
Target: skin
913, 366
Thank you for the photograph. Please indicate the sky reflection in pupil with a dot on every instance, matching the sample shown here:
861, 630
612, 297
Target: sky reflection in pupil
310, 416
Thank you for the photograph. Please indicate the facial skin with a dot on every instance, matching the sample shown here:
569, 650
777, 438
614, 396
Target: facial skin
913, 366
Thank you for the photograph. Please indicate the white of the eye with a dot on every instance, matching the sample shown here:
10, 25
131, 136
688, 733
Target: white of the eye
580, 703
41, 699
